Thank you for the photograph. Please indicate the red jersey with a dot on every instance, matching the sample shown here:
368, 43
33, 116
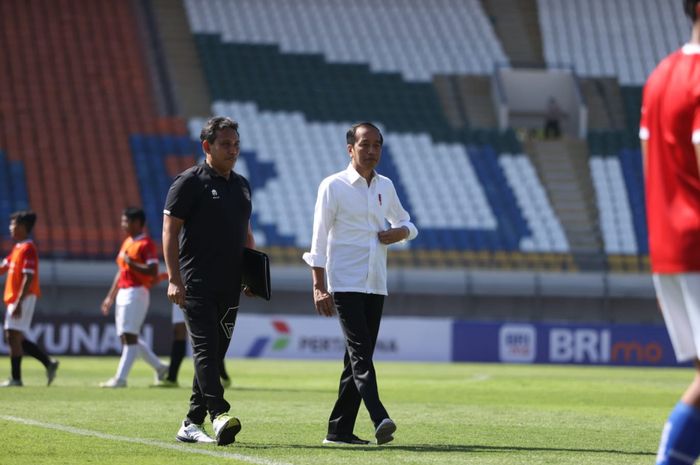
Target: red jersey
22, 259
670, 124
140, 249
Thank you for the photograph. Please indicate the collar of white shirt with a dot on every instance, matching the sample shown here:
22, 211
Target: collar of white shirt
354, 176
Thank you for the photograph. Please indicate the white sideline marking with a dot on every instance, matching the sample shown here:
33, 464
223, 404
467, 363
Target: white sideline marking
145, 442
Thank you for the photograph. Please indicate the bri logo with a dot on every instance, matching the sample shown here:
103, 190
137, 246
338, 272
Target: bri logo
279, 342
517, 343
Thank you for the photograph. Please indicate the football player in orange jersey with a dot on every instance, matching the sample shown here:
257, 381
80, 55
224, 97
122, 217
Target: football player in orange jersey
21, 292
138, 271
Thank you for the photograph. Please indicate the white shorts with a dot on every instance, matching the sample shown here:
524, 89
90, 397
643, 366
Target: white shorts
131, 308
178, 315
22, 323
679, 296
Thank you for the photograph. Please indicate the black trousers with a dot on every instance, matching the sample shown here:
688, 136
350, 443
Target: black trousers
359, 315
552, 130
210, 319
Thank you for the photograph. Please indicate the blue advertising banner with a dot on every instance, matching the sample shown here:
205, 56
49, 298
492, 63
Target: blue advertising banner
589, 344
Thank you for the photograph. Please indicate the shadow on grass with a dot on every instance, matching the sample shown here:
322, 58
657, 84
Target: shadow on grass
446, 448
280, 389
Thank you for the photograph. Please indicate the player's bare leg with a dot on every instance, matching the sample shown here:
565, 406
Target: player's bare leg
14, 340
692, 394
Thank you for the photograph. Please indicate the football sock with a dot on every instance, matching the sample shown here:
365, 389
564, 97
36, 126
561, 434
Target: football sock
222, 370
129, 354
177, 353
16, 363
679, 440
32, 349
149, 356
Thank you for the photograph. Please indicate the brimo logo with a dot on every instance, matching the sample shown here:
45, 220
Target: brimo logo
596, 346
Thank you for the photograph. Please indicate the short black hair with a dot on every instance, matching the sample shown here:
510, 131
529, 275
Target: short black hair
27, 218
689, 6
214, 125
350, 135
135, 213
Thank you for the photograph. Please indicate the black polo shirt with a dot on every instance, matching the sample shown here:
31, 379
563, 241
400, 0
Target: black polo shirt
216, 212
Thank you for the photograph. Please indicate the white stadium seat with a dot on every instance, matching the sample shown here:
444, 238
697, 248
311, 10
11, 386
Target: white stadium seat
620, 38
417, 38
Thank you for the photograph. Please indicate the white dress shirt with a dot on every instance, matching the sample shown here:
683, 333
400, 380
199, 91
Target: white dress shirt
347, 218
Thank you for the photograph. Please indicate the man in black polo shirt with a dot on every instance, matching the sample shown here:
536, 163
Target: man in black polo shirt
206, 225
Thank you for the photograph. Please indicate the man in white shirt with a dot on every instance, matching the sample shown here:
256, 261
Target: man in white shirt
349, 244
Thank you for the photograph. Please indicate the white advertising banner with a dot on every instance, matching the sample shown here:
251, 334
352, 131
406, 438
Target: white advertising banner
315, 337
87, 337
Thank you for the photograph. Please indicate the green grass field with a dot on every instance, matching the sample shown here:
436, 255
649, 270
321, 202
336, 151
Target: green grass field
446, 414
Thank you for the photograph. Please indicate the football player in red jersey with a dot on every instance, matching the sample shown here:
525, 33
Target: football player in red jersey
670, 139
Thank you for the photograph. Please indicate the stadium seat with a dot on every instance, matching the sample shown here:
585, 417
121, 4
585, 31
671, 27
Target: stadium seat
602, 38
97, 95
386, 41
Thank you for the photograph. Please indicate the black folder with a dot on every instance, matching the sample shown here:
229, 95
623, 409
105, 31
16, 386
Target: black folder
256, 272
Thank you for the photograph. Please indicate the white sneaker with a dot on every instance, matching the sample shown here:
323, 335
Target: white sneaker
226, 428
193, 433
12, 383
161, 373
114, 383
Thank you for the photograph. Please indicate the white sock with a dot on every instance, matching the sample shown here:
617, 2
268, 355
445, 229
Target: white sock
129, 354
149, 356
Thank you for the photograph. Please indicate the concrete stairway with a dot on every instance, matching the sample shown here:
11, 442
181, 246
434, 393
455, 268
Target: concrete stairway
183, 63
604, 100
562, 166
448, 94
518, 28
466, 100
477, 103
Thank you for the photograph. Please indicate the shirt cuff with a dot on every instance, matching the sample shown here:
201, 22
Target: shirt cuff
314, 260
412, 231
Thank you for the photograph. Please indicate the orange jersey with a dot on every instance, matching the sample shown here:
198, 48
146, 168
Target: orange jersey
140, 249
23, 259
